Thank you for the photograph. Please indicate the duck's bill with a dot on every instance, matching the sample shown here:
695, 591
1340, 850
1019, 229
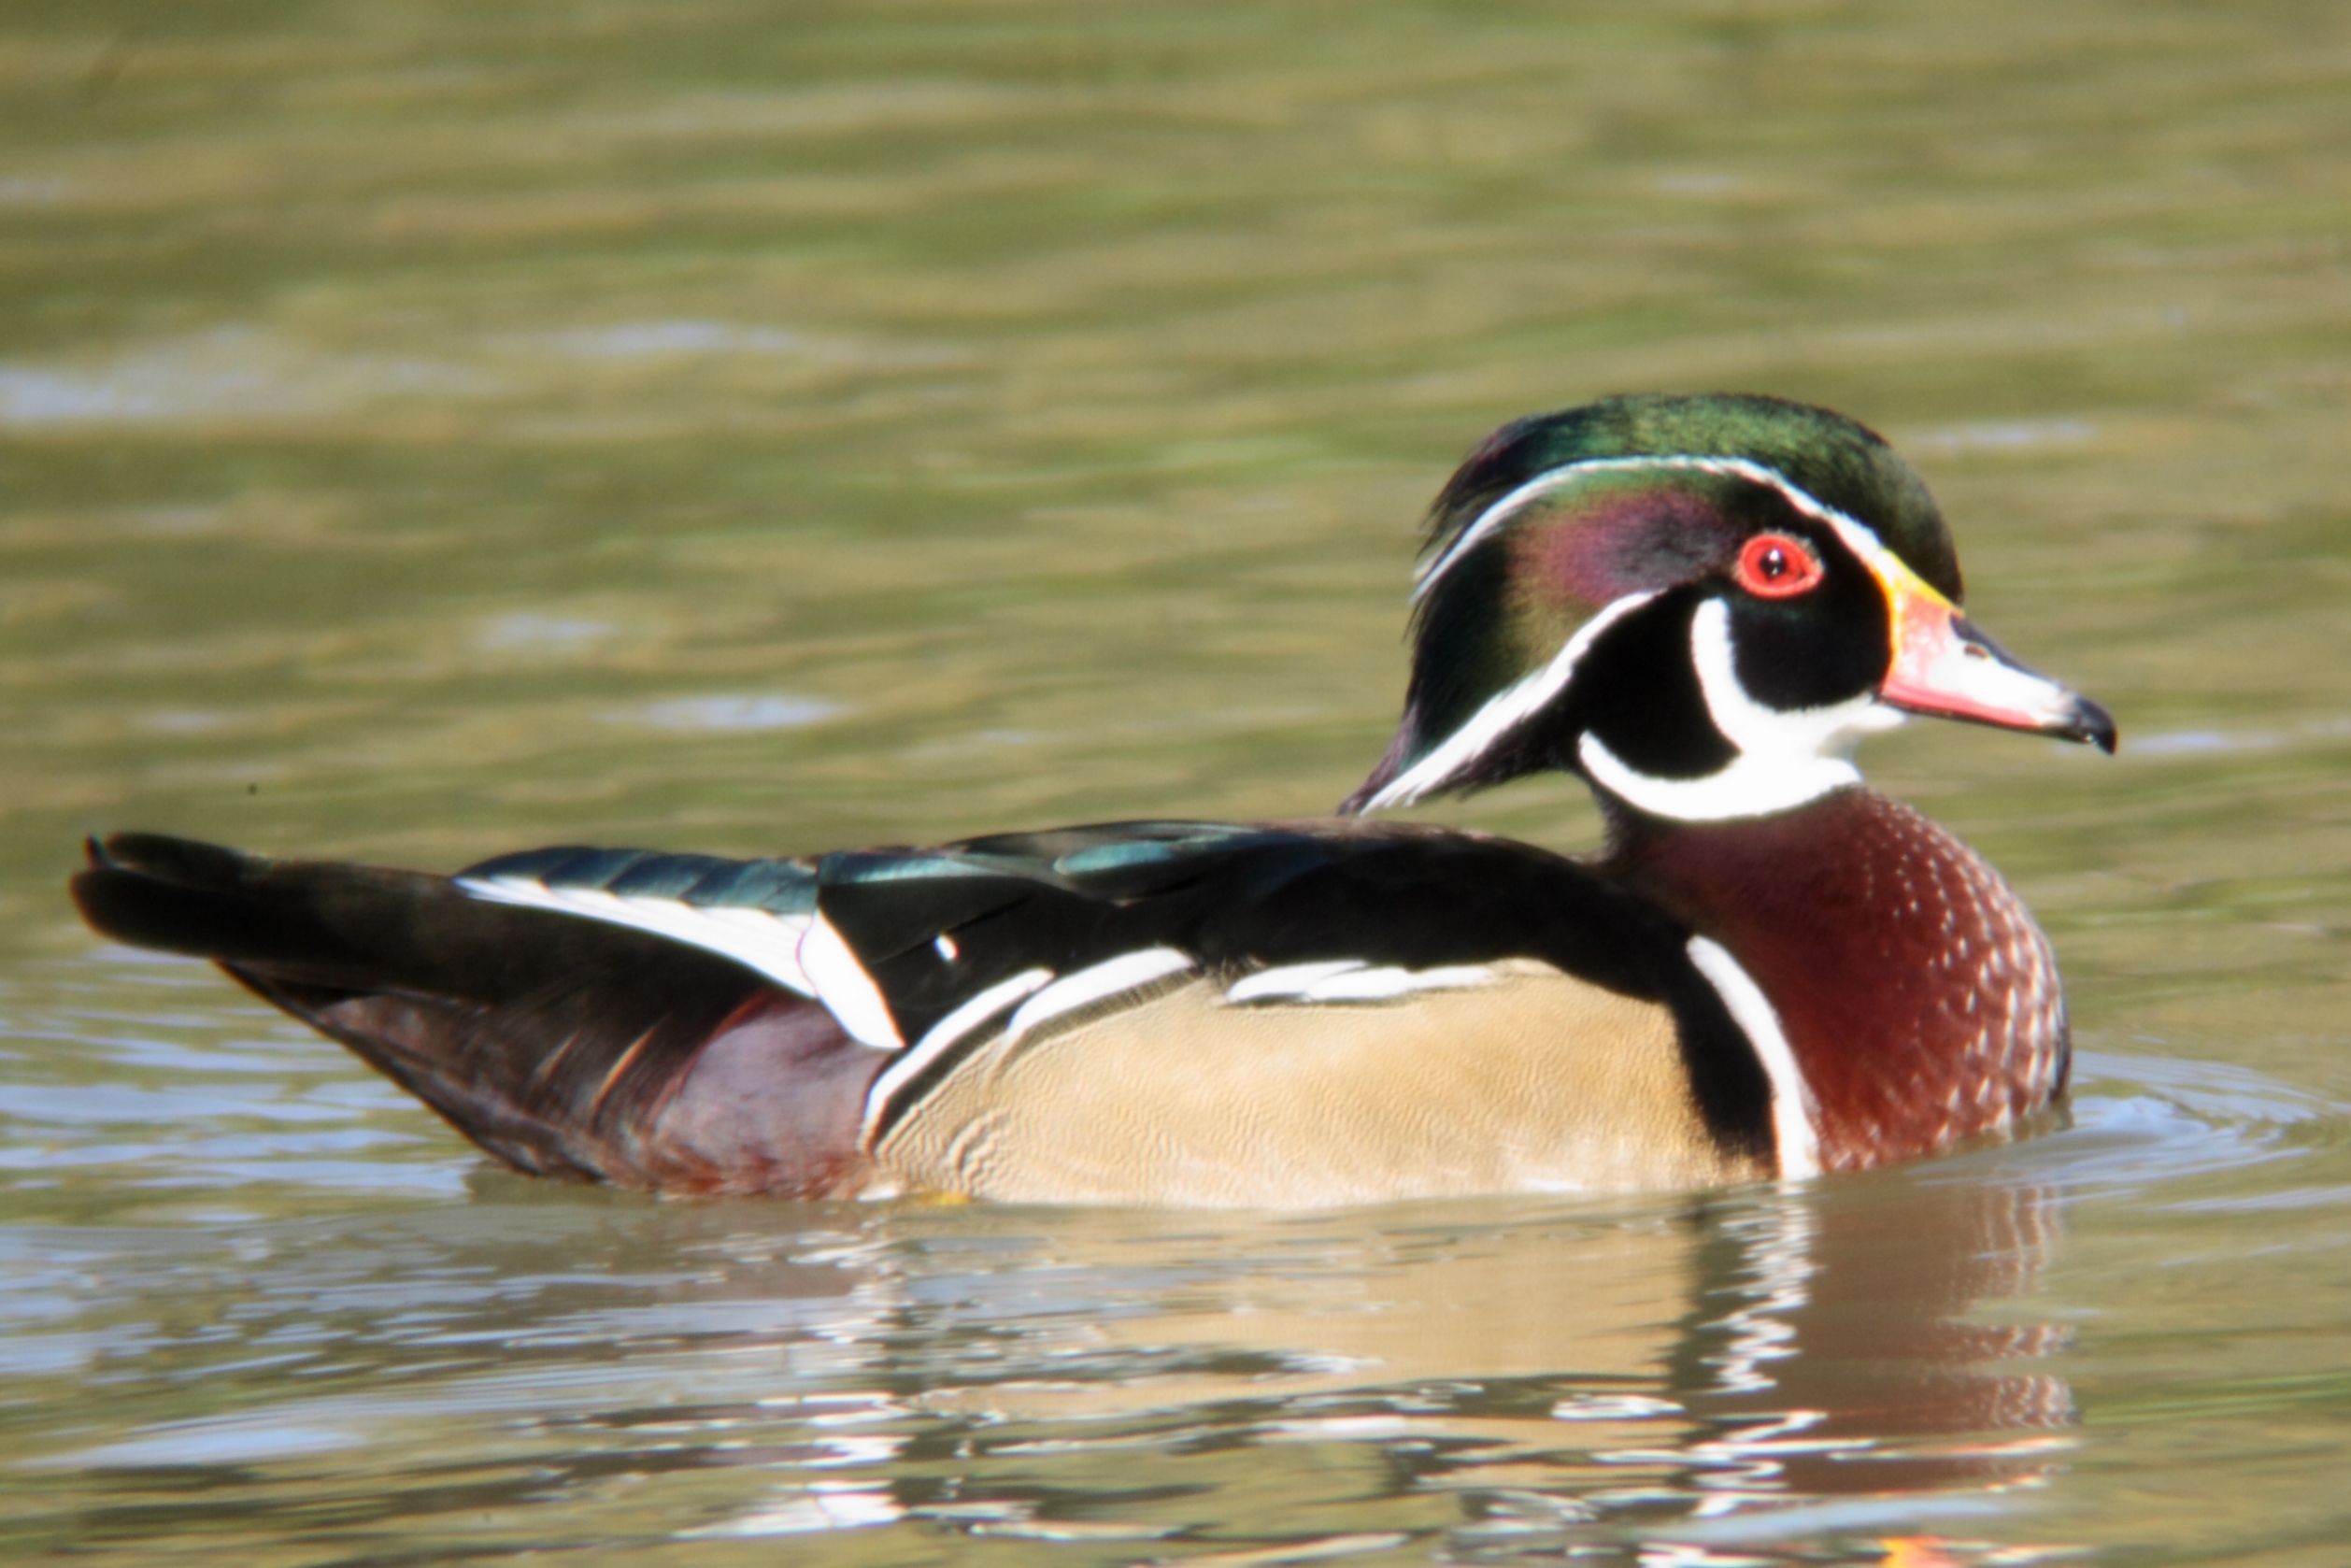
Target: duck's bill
1944, 667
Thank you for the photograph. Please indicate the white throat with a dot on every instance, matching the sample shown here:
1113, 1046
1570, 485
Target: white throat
1785, 757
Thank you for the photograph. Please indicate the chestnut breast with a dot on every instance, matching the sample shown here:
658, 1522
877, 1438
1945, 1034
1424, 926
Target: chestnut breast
1919, 998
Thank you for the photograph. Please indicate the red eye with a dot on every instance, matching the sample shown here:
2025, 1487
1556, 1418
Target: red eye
1777, 566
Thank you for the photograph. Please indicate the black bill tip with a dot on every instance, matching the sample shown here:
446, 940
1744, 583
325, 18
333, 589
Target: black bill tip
2092, 722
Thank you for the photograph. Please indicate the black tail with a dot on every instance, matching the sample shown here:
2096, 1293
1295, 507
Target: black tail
560, 1045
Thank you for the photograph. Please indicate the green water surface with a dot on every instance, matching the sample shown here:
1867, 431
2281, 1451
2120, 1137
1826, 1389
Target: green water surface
429, 429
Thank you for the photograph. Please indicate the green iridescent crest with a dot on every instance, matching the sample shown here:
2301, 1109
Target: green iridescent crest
1837, 461
1557, 516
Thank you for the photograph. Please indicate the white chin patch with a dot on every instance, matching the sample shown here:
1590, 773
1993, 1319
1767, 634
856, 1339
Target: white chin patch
1786, 756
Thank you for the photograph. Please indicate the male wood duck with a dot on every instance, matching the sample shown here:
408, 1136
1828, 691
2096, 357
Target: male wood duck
1697, 604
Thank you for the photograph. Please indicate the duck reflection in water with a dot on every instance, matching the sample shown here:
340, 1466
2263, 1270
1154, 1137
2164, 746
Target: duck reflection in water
1854, 1361
1826, 1366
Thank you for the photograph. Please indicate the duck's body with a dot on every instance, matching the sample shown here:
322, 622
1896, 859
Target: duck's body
1696, 604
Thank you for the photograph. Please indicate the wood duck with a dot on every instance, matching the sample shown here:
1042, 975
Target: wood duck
1697, 604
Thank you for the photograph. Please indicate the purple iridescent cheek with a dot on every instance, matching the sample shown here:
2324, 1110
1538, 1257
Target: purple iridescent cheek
1607, 547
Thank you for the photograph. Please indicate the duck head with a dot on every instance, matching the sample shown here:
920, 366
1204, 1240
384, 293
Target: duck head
1699, 604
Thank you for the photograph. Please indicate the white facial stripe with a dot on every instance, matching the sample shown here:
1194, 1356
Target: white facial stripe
756, 938
1858, 536
1792, 1107
1096, 983
1785, 757
941, 1038
1862, 540
1855, 533
847, 992
1800, 762
1503, 712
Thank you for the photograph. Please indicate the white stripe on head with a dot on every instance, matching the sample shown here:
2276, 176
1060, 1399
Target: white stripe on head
1858, 534
756, 938
1793, 1111
1503, 712
1701, 799
941, 1038
1786, 756
1567, 476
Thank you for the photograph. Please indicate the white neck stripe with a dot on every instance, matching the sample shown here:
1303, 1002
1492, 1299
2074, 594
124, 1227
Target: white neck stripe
1503, 711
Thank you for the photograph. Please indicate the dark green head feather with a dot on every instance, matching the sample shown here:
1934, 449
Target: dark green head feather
1839, 462
1498, 602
